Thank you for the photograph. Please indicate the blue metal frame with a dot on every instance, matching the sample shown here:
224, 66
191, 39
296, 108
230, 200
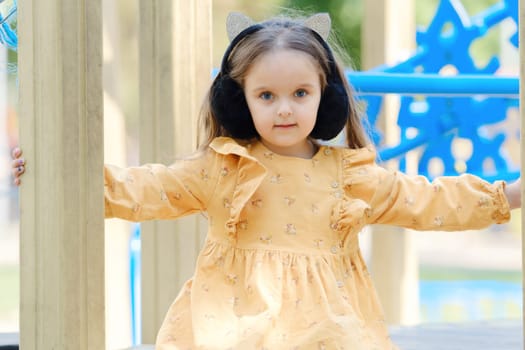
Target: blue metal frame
8, 34
437, 109
465, 85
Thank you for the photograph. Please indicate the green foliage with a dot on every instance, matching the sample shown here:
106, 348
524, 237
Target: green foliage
346, 18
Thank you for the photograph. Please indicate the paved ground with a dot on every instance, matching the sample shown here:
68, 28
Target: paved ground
8, 339
493, 335
500, 335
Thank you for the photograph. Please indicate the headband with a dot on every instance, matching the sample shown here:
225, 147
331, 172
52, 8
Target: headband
236, 22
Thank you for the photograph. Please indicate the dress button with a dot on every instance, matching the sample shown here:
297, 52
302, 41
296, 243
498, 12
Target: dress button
334, 249
335, 184
338, 194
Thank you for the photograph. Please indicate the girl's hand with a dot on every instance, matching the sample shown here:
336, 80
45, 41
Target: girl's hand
17, 165
513, 193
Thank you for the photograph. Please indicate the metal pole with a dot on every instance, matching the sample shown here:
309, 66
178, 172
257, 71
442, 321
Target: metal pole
434, 84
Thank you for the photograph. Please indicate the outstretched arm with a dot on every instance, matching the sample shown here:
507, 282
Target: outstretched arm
152, 191
513, 193
156, 191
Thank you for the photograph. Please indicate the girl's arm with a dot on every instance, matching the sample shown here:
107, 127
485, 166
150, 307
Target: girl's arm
513, 194
152, 191
156, 191
450, 203
447, 203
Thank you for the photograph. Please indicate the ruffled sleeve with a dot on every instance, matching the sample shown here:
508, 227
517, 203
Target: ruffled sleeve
447, 203
156, 191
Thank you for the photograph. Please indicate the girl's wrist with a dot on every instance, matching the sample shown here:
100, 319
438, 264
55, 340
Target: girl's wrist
513, 193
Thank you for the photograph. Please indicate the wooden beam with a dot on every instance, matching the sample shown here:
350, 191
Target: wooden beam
387, 34
175, 70
62, 227
118, 232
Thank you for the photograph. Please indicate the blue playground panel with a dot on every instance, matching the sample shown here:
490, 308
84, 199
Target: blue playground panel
8, 36
465, 106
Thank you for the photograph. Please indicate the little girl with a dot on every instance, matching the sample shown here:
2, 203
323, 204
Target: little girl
281, 266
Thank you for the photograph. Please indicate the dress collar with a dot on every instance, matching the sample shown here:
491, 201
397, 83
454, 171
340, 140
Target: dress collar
227, 145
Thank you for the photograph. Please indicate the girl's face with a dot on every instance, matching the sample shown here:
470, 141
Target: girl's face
283, 91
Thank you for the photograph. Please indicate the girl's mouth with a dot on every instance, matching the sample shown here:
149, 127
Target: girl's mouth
285, 126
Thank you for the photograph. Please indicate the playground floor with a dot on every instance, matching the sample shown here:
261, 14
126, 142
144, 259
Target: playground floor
488, 335
493, 335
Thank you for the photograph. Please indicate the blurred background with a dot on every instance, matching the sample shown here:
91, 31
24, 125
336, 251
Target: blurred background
463, 276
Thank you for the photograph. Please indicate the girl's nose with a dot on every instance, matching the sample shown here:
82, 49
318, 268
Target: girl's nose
284, 110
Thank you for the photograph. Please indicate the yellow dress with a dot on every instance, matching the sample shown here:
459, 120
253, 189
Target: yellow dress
281, 266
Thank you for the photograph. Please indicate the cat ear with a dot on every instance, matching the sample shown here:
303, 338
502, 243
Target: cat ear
319, 23
236, 22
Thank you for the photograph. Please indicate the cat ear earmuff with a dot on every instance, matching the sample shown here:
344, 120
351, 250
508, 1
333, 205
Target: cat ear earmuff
228, 102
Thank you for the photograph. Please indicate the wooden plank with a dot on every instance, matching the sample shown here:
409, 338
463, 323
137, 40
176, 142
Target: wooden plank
118, 232
387, 32
175, 70
62, 228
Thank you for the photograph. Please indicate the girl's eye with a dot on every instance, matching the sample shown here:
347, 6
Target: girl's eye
300, 93
266, 95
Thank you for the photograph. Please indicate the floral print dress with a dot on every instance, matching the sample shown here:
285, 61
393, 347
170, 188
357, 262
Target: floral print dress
281, 266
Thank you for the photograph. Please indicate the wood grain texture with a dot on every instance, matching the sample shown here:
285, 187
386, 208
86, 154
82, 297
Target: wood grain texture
62, 233
175, 71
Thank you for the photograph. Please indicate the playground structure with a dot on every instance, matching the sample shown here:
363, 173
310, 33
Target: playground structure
61, 108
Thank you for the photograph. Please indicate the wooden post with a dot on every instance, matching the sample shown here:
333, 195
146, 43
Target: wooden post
118, 232
387, 32
62, 207
175, 70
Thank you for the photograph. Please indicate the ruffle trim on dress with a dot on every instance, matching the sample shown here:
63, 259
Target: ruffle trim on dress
502, 209
348, 213
250, 174
355, 162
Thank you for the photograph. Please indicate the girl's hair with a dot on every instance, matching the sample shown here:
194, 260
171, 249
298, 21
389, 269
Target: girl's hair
225, 111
